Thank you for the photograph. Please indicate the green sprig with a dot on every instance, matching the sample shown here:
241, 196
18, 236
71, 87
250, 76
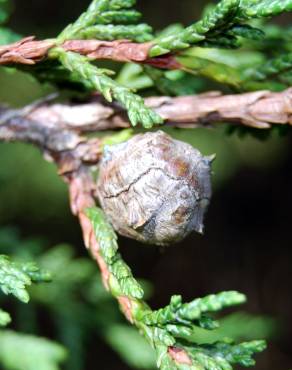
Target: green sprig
122, 281
140, 33
118, 17
221, 25
102, 12
96, 79
217, 17
188, 312
272, 69
16, 277
264, 8
174, 325
222, 355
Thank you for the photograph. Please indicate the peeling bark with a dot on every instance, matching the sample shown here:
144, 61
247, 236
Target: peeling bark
31, 51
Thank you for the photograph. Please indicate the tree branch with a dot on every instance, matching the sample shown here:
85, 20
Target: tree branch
73, 154
55, 126
31, 51
57, 130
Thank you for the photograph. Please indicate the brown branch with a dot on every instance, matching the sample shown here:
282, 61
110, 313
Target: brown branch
260, 109
72, 153
74, 156
57, 129
81, 189
118, 50
25, 51
31, 51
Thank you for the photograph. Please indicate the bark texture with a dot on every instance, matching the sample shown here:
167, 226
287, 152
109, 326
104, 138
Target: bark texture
31, 51
260, 109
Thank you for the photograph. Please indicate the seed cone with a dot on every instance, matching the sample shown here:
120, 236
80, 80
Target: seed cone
154, 189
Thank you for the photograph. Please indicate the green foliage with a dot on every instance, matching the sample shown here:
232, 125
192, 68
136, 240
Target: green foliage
5, 318
102, 12
263, 8
21, 351
274, 68
76, 302
132, 76
131, 346
229, 24
139, 33
5, 8
16, 277
175, 324
240, 326
78, 306
117, 138
221, 356
218, 17
93, 24
32, 352
7, 36
187, 313
222, 25
173, 83
122, 281
98, 79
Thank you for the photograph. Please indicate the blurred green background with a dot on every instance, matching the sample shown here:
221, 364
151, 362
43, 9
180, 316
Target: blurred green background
246, 245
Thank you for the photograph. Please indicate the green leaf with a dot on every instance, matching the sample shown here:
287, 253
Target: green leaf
139, 33
97, 80
68, 281
222, 25
164, 362
27, 352
117, 138
5, 10
265, 8
178, 312
7, 36
5, 318
131, 346
101, 12
224, 353
238, 326
16, 277
104, 233
173, 83
218, 17
128, 284
273, 69
122, 281
118, 17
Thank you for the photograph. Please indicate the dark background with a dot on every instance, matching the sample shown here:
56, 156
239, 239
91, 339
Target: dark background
247, 243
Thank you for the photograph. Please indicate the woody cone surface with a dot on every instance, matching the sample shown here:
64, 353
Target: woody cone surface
155, 189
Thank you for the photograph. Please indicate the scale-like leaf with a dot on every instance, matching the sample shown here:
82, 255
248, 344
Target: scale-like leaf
16, 277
